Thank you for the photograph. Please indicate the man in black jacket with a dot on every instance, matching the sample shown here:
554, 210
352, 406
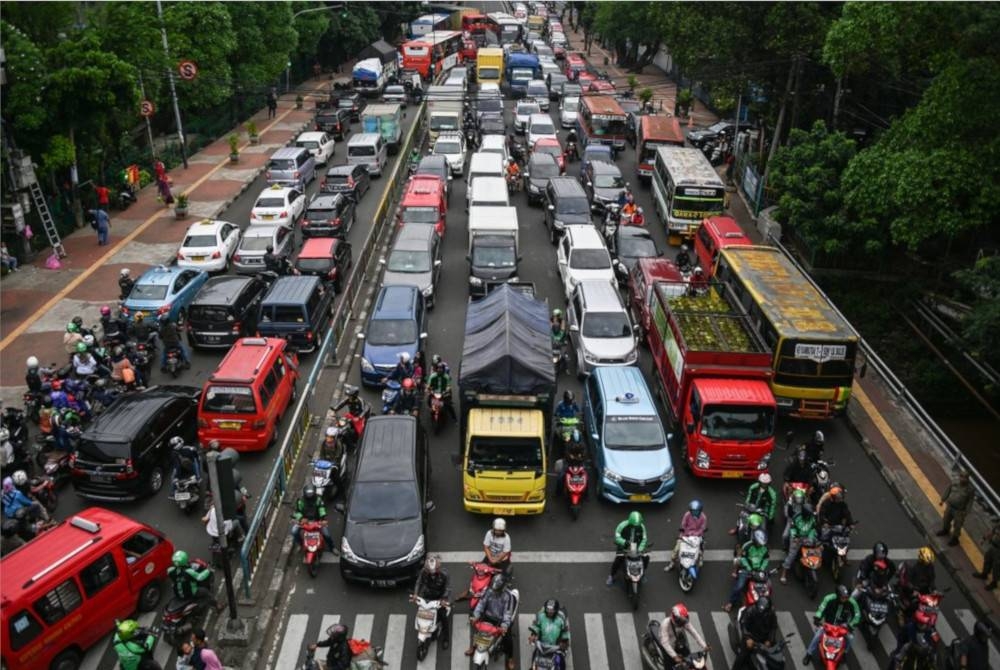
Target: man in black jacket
758, 626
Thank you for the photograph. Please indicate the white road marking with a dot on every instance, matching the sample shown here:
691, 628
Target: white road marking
459, 640
395, 640
721, 622
797, 643
628, 640
968, 621
597, 650
291, 643
363, 624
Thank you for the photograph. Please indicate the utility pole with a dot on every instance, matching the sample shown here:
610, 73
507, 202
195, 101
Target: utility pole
170, 78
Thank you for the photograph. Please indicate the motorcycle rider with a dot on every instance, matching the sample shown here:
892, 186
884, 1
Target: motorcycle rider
436, 360
352, 401
134, 646
66, 423
558, 326
311, 508
575, 453
33, 374
757, 626
339, 655
876, 570
754, 557
440, 382
699, 282
799, 469
433, 584
513, 174
403, 369
973, 651
125, 283
693, 523
551, 626
406, 401
814, 448
142, 331
628, 531
497, 607
72, 337
567, 407
832, 510
179, 452
839, 609
571, 146
171, 340
14, 500
189, 582
112, 328
331, 448
638, 219
497, 546
122, 369
272, 263
683, 260
917, 577
917, 631
84, 363
676, 632
763, 496
803, 526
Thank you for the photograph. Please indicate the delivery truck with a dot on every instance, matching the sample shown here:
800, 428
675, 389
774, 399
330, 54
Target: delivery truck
386, 120
493, 249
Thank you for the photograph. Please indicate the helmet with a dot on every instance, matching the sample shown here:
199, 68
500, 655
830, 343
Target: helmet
309, 492
78, 320
139, 316
331, 431
557, 313
764, 479
695, 507
818, 437
32, 362
500, 524
8, 484
568, 396
270, 248
498, 582
881, 550
176, 442
635, 519
432, 564
843, 591
350, 390
214, 445
759, 537
798, 496
551, 607
638, 210
180, 559
337, 631
755, 520
46, 401
89, 340
20, 476
982, 631
118, 351
684, 247
801, 454
408, 384
837, 493
436, 359
921, 618
81, 348
763, 604
72, 328
56, 384
126, 629
698, 270
105, 310
404, 357
124, 272
925, 555
679, 613
4, 434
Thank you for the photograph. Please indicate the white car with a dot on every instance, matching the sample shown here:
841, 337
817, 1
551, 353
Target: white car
582, 254
539, 126
208, 245
568, 111
522, 114
452, 147
319, 144
539, 92
494, 144
278, 205
549, 67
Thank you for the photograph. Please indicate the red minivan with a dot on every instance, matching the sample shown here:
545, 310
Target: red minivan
424, 201
716, 233
244, 399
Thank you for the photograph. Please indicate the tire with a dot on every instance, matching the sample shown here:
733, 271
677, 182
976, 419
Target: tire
67, 660
553, 238
150, 596
155, 479
314, 567
421, 650
684, 581
633, 596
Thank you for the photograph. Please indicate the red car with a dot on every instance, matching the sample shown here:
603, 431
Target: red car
551, 146
600, 86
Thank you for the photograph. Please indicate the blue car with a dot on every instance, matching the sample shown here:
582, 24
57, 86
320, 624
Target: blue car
162, 290
626, 437
397, 325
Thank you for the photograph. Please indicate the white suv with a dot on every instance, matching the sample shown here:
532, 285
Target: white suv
452, 147
599, 327
582, 254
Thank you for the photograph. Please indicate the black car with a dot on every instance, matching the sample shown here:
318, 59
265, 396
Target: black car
353, 102
224, 310
541, 167
603, 182
436, 166
336, 122
385, 518
702, 135
555, 80
329, 215
492, 123
328, 258
351, 180
631, 243
124, 454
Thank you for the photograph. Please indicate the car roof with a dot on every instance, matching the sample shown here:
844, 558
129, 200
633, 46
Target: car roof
275, 190
364, 138
488, 140
449, 135
625, 391
159, 275
130, 412
326, 200
287, 152
542, 157
527, 102
599, 295
633, 231
381, 457
290, 290
321, 247
206, 226
585, 237
311, 135
222, 289
395, 301
346, 170
259, 230
436, 161
602, 166
565, 183
540, 118
414, 236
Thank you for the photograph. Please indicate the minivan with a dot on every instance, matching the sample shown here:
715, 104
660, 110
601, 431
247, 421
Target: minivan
626, 436
369, 150
565, 204
396, 325
415, 259
483, 165
296, 309
124, 454
385, 516
292, 166
599, 327
224, 310
489, 192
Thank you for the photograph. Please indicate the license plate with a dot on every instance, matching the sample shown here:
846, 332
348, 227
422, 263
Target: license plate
383, 583
102, 479
504, 511
197, 259
732, 474
213, 339
230, 425
182, 495
640, 497
269, 216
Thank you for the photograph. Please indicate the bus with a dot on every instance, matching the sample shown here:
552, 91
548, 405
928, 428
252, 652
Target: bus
429, 23
475, 25
686, 189
814, 347
433, 53
602, 120
654, 132
508, 29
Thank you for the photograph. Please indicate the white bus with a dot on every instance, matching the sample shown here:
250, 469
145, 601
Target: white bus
686, 189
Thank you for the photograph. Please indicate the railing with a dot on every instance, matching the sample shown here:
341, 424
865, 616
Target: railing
939, 439
266, 514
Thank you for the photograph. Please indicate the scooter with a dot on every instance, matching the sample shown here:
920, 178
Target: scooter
312, 543
560, 355
437, 411
426, 623
486, 639
612, 218
758, 586
763, 657
187, 492
836, 543
809, 563
141, 355
179, 613
875, 602
832, 645
744, 532
389, 395
482, 575
575, 481
654, 656
689, 561
43, 489
572, 153
543, 657
635, 570
174, 364
326, 476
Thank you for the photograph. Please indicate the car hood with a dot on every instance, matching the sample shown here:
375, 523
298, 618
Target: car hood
493, 274
384, 540
573, 219
609, 347
419, 279
386, 354
642, 465
699, 134
539, 182
607, 194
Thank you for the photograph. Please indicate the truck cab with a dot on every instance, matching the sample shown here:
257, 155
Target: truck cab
493, 249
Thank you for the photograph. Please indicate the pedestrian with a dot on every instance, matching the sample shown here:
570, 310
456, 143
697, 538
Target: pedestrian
163, 183
103, 196
957, 499
202, 656
184, 653
102, 224
991, 558
272, 103
7, 260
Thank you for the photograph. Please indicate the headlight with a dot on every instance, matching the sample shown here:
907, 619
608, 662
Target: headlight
701, 460
764, 462
593, 360
415, 553
366, 366
347, 552
472, 493
475, 281
533, 189
558, 225
667, 476
612, 475
632, 356
428, 292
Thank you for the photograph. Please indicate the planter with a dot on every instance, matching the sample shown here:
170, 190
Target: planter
254, 139
234, 157
180, 212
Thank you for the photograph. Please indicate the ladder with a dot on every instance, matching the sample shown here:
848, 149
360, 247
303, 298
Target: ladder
47, 222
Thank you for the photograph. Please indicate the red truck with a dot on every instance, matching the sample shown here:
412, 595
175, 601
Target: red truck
712, 370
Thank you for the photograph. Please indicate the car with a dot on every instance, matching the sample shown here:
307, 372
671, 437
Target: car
541, 167
599, 327
552, 147
549, 67
570, 89
601, 87
249, 257
395, 93
541, 49
208, 245
452, 147
630, 244
568, 111
531, 37
164, 291
492, 124
554, 80
604, 184
582, 254
225, 310
494, 144
596, 152
565, 205
279, 205
328, 258
353, 102
335, 121
414, 260
538, 91
700, 136
522, 114
539, 126
436, 166
319, 144
350, 180
329, 215
559, 45
397, 325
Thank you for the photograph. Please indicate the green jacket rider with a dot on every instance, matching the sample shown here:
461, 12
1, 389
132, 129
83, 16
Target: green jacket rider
186, 578
132, 644
763, 496
551, 624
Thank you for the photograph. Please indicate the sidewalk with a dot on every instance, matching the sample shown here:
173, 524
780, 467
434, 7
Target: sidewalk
37, 303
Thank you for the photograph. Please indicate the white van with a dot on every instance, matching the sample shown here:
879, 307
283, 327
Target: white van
367, 149
489, 192
483, 165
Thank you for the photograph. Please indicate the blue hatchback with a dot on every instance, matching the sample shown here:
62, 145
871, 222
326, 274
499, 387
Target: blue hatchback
162, 290
397, 325
627, 438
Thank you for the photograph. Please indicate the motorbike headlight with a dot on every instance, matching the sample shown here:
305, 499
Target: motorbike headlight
475, 281
428, 292
668, 475
702, 461
366, 365
611, 475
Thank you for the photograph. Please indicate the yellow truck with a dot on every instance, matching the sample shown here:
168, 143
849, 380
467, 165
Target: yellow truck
536, 23
489, 65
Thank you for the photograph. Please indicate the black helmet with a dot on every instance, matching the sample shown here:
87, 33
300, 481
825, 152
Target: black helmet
843, 591
568, 396
763, 604
551, 607
350, 390
880, 550
270, 248
982, 631
337, 631
498, 582
309, 492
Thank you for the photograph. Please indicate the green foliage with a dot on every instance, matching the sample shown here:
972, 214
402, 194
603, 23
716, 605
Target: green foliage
203, 32
234, 143
257, 25
982, 324
310, 28
645, 95
349, 33
60, 155
44, 23
26, 74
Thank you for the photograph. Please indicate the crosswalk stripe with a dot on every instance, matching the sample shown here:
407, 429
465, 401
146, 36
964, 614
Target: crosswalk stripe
395, 639
887, 639
597, 651
796, 643
459, 640
696, 622
363, 624
720, 620
944, 628
524, 650
866, 659
968, 620
291, 644
327, 621
628, 640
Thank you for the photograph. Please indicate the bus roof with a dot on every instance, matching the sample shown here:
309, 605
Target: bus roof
785, 295
430, 18
689, 166
434, 38
662, 129
603, 105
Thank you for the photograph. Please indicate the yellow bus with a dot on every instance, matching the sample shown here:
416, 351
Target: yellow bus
814, 347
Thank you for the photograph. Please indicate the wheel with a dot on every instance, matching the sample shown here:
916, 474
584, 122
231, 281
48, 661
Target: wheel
633, 596
155, 480
574, 511
149, 598
684, 581
422, 650
67, 660
314, 567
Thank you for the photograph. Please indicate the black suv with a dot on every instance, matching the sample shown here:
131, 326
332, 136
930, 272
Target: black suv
352, 180
334, 121
565, 204
329, 215
224, 310
354, 103
124, 454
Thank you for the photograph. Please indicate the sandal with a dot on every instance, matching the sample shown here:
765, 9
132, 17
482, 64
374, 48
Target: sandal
784, 579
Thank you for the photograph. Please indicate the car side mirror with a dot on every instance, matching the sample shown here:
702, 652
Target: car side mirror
437, 263
552, 208
690, 428
595, 437
520, 258
339, 507
429, 506
361, 336
590, 184
423, 336
527, 175
635, 328
574, 328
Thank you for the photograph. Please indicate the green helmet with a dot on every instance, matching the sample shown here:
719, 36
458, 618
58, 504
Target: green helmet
126, 629
798, 496
81, 348
557, 313
180, 558
72, 328
635, 519
755, 520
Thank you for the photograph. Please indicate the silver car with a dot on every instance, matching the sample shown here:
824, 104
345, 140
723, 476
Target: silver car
539, 92
599, 327
414, 260
568, 111
522, 114
249, 256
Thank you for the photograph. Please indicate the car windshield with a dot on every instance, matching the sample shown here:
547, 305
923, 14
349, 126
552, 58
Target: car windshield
373, 502
200, 241
270, 203
520, 74
538, 90
229, 400
494, 257
443, 123
609, 181
571, 105
492, 126
637, 247
403, 260
542, 128
321, 214
528, 108
420, 215
308, 144
633, 433
724, 422
391, 331
489, 104
574, 206
148, 292
314, 264
256, 243
590, 259
394, 90
606, 325
516, 453
447, 148
551, 149
544, 169
209, 314
281, 164
361, 150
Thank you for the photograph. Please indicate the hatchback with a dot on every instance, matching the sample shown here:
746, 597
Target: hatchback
632, 243
328, 258
329, 215
538, 91
395, 93
539, 126
351, 180
208, 245
225, 310
319, 144
397, 325
541, 167
452, 147
582, 255
249, 257
552, 147
333, 121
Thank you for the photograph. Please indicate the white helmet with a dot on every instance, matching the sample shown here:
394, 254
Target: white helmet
332, 431
32, 362
20, 478
499, 524
88, 340
764, 479
404, 357
818, 437
4, 434
125, 272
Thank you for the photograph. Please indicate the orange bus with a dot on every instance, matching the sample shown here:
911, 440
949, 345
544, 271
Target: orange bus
602, 120
655, 131
433, 52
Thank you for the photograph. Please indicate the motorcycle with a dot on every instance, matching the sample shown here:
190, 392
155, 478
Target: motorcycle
635, 570
174, 363
180, 614
56, 464
572, 153
141, 355
543, 657
327, 475
809, 563
758, 586
43, 489
15, 421
389, 395
836, 542
486, 639
654, 656
875, 602
186, 492
560, 355
567, 430
743, 530
612, 219
437, 411
832, 645
575, 481
312, 544
482, 575
32, 403
689, 561
426, 623
821, 481
763, 657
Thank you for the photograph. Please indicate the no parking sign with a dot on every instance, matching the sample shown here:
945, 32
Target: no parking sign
187, 69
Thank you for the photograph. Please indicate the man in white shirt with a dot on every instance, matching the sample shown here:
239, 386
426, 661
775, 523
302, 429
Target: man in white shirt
496, 545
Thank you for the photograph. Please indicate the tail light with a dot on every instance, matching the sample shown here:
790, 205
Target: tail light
202, 423
180, 256
237, 327
322, 185
216, 254
259, 424
284, 212
309, 335
164, 309
72, 459
237, 258
305, 222
296, 174
332, 274
350, 182
336, 222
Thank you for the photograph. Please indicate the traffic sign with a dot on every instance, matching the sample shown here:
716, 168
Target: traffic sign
147, 108
187, 69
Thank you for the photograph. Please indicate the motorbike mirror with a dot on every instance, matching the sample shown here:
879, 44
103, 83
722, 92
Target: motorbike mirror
595, 436
429, 506
690, 427
381, 261
339, 507
437, 263
574, 328
552, 208
520, 258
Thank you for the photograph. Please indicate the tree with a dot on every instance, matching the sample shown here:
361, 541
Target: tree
311, 27
350, 32
255, 24
981, 325
26, 75
44, 23
202, 32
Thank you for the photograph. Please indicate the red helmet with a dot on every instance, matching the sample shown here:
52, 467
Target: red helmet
679, 613
56, 385
408, 384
